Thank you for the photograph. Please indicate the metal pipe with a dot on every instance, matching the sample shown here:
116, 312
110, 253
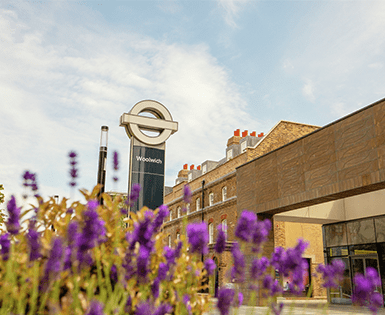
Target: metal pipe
102, 161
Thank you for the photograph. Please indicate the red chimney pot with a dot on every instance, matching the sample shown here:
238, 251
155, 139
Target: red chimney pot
244, 133
237, 133
185, 166
198, 167
253, 134
191, 167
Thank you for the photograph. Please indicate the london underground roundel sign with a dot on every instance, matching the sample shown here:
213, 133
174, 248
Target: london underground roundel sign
162, 122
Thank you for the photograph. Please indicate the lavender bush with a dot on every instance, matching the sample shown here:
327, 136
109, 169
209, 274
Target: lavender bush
81, 259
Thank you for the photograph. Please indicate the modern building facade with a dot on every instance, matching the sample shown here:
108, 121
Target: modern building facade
215, 199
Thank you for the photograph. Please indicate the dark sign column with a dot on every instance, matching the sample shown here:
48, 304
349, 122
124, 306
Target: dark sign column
147, 169
147, 155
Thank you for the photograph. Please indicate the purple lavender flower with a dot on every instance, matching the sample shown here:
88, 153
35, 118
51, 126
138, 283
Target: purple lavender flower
186, 194
163, 309
128, 306
246, 225
5, 244
134, 195
13, 224
30, 181
210, 266
332, 274
225, 299
155, 288
96, 308
116, 165
240, 298
271, 285
54, 263
162, 271
238, 270
258, 267
73, 170
33, 242
72, 240
143, 232
220, 244
114, 274
142, 263
364, 290
93, 232
198, 237
163, 212
116, 161
144, 308
260, 234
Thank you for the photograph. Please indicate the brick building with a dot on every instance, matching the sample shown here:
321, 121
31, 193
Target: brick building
215, 199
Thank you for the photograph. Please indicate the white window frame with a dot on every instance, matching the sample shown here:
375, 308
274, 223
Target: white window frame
179, 212
224, 193
211, 199
229, 154
188, 208
211, 233
169, 241
243, 146
224, 226
198, 204
178, 236
204, 169
170, 215
189, 177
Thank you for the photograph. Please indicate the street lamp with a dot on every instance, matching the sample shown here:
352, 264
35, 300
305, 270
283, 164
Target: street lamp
102, 161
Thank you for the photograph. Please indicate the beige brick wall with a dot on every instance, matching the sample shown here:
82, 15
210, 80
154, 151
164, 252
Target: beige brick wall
283, 133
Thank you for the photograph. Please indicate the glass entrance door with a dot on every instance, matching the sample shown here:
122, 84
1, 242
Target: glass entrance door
359, 265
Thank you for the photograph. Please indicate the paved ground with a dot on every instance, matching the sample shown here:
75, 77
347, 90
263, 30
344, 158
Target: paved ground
303, 308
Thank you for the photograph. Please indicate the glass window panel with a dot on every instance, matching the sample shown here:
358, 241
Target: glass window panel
363, 249
335, 234
338, 251
361, 231
380, 229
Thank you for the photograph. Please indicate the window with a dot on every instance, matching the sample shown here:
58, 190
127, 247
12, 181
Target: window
178, 236
178, 212
198, 204
169, 241
170, 214
243, 146
211, 199
224, 226
229, 155
224, 193
188, 208
189, 177
204, 169
211, 233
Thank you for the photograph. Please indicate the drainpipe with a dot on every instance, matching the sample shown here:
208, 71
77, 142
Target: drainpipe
203, 199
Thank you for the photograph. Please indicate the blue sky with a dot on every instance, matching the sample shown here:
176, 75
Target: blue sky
69, 67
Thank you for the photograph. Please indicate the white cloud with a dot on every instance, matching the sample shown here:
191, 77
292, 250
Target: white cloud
308, 90
61, 81
337, 46
231, 10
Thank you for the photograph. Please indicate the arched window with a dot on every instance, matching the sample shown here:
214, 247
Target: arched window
198, 204
224, 193
211, 199
170, 214
178, 236
169, 241
211, 233
179, 212
188, 208
224, 226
